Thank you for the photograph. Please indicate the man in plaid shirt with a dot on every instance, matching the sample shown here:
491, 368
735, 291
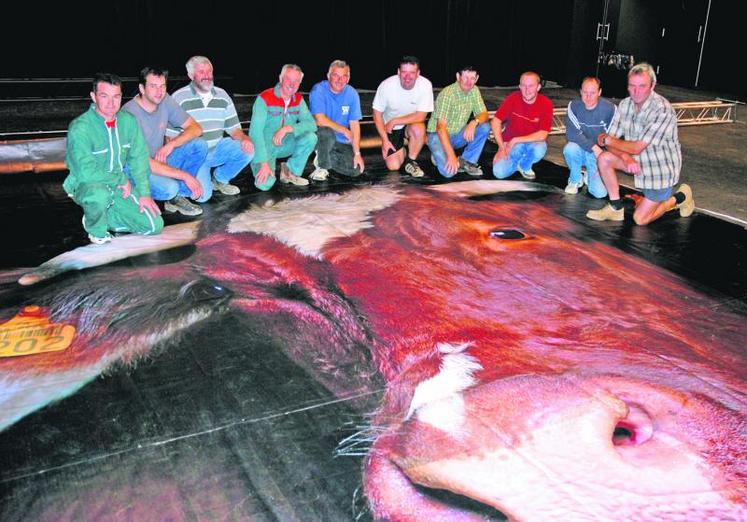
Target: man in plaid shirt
643, 141
459, 120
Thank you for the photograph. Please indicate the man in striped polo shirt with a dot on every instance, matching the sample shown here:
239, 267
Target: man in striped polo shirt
213, 109
643, 141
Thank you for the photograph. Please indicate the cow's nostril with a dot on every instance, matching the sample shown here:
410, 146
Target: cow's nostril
507, 233
636, 428
624, 434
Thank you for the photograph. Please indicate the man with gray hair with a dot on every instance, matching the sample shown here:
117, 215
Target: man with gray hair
336, 107
642, 140
213, 109
282, 127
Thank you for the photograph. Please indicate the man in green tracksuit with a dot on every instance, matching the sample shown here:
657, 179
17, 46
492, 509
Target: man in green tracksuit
108, 162
282, 126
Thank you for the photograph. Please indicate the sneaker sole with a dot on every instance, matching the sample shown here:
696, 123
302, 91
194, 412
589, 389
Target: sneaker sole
605, 218
294, 182
171, 208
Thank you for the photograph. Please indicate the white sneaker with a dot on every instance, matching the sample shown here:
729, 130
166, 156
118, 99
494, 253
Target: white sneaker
527, 174
319, 174
413, 169
225, 188
572, 188
100, 240
286, 176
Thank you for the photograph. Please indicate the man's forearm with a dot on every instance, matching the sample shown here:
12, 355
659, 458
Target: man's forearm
164, 169
323, 121
413, 117
630, 147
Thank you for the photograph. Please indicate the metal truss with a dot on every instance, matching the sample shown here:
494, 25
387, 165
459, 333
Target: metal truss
688, 113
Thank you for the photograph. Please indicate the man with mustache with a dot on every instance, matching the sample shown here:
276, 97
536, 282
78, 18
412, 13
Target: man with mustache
213, 109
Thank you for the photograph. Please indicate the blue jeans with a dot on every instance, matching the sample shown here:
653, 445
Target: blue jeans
228, 160
521, 157
472, 150
299, 148
575, 158
189, 157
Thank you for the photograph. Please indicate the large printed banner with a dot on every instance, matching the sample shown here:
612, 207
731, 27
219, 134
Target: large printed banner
451, 352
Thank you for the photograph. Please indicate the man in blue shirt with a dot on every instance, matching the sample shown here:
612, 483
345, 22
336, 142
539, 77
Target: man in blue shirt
336, 107
585, 120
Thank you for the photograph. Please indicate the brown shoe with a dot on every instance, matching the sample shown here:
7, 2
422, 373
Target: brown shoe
688, 206
286, 176
606, 213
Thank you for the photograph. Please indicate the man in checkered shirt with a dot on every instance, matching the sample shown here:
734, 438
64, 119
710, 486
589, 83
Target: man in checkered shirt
643, 141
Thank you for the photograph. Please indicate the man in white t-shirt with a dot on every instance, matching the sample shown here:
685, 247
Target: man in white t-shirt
400, 109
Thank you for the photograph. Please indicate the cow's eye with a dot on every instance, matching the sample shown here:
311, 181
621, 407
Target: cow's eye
507, 233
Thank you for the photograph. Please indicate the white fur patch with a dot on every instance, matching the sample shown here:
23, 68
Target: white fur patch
438, 401
120, 248
484, 187
308, 224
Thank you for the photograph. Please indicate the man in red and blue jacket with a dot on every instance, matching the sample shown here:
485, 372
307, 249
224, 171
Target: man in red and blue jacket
282, 126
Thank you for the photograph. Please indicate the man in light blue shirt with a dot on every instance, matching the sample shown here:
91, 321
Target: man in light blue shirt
336, 107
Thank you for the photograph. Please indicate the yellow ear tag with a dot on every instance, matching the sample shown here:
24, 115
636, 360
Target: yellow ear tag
30, 333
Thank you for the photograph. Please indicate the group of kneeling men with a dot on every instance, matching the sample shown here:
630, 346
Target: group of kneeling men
179, 148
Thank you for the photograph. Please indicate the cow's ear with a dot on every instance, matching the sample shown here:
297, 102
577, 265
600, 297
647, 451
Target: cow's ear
119, 248
485, 187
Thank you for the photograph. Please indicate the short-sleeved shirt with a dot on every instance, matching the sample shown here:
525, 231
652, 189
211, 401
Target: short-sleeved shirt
216, 117
656, 125
393, 101
341, 108
154, 124
521, 118
456, 106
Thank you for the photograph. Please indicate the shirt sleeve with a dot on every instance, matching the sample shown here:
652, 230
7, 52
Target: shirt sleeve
78, 156
504, 109
316, 100
546, 115
425, 101
478, 106
441, 109
379, 103
306, 122
659, 126
355, 107
573, 130
257, 130
138, 163
176, 115
231, 121
615, 129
